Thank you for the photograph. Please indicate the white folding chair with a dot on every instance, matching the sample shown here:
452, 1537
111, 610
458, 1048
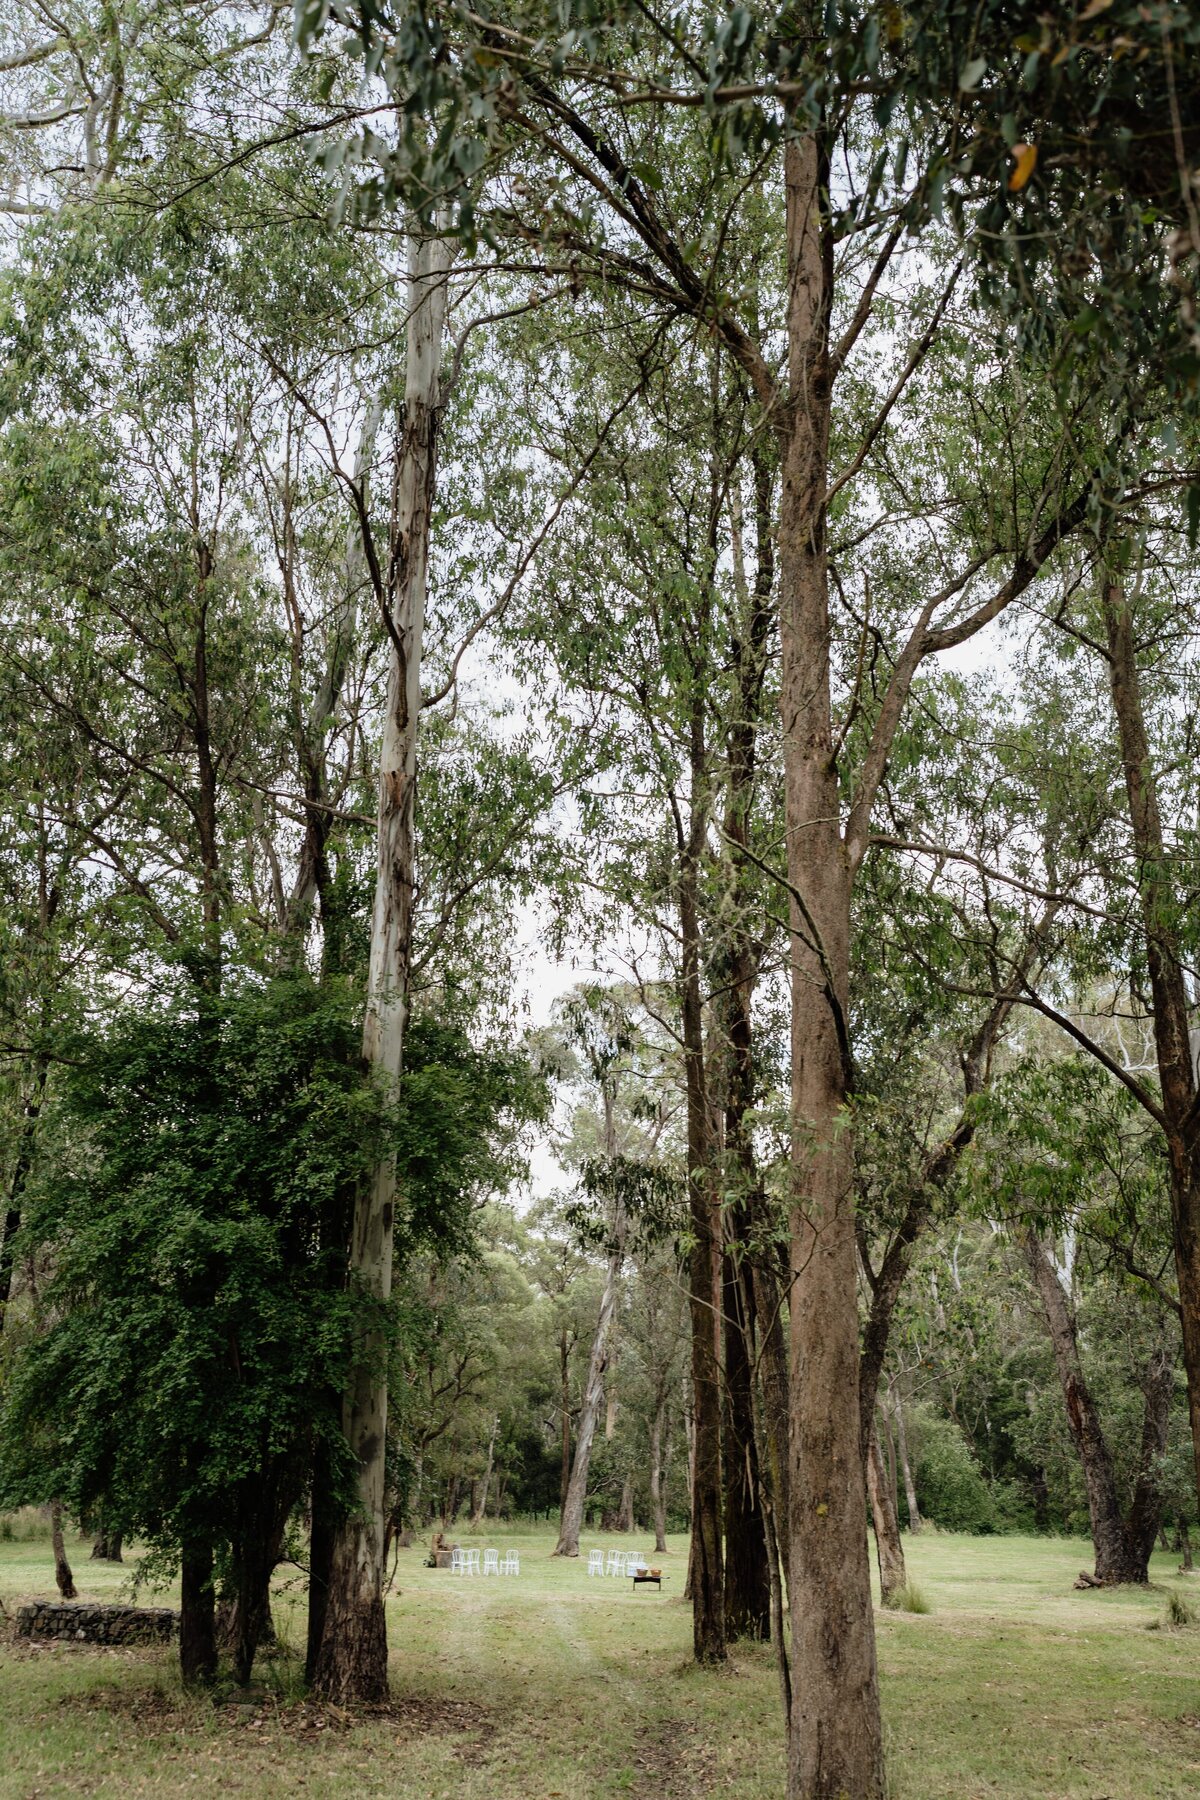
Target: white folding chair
457, 1561
616, 1562
491, 1562
595, 1562
472, 1557
512, 1563
635, 1562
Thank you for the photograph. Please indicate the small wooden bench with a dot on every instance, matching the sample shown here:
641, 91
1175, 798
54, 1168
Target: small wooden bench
647, 1575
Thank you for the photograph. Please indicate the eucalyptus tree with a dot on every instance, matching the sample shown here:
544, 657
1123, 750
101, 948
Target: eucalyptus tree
624, 1189
89, 91
599, 106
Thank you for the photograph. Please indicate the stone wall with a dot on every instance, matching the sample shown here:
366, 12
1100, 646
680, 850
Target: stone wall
87, 1624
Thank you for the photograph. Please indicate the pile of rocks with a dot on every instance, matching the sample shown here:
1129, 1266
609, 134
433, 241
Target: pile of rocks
87, 1624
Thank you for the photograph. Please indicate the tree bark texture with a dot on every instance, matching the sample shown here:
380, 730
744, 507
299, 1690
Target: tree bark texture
64, 1580
197, 1616
571, 1522
888, 1547
352, 1662
1122, 1550
706, 1568
1180, 1118
835, 1742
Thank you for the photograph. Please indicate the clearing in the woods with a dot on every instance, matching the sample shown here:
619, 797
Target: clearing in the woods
554, 1686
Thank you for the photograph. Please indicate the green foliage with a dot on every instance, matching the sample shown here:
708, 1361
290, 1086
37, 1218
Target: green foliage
192, 1196
950, 1485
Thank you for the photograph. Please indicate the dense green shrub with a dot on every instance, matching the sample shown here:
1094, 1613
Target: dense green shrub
951, 1489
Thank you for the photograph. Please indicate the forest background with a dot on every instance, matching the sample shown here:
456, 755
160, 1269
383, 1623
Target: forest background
721, 487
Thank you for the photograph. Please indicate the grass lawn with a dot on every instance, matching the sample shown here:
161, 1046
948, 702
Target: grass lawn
556, 1687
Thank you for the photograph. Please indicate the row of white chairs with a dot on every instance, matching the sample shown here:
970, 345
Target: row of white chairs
466, 1562
619, 1562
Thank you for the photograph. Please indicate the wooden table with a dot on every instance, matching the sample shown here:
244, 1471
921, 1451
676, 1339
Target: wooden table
646, 1576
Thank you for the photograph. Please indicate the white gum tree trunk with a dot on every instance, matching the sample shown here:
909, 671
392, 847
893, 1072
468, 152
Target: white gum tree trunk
352, 1663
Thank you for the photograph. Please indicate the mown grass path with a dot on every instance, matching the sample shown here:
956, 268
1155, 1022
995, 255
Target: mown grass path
556, 1687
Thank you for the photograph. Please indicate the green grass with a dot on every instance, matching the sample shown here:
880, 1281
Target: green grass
557, 1687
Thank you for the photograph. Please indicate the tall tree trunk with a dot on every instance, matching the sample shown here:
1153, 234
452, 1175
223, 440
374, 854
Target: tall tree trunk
835, 1741
565, 1372
478, 1512
571, 1520
1160, 906
197, 1615
747, 1576
706, 1570
1146, 1509
657, 1497
625, 1510
64, 1580
910, 1487
888, 1547
1117, 1560
352, 1662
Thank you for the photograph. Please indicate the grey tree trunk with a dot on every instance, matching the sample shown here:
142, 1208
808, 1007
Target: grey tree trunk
571, 1523
910, 1487
351, 1665
477, 1515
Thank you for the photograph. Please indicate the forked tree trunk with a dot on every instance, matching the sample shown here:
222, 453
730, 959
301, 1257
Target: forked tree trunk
1122, 1549
1161, 907
107, 1546
910, 1487
352, 1662
888, 1547
835, 1741
571, 1522
64, 1580
481, 1508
